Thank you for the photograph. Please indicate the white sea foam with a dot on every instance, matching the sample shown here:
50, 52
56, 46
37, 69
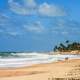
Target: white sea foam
27, 59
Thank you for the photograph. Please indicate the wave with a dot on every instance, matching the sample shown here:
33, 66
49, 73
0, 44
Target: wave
12, 60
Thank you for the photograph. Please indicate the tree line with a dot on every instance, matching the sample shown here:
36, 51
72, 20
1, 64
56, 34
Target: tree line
67, 46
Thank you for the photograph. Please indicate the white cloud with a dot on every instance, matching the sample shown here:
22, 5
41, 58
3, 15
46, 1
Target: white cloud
6, 26
65, 32
35, 27
51, 10
3, 18
55, 32
30, 7
30, 3
13, 33
15, 7
27, 9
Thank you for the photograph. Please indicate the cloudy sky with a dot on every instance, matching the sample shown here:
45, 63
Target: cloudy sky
38, 25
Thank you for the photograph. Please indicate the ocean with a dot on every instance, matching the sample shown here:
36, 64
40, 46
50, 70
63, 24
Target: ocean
15, 60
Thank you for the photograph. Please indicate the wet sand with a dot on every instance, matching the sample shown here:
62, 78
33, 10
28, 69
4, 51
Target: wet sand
61, 69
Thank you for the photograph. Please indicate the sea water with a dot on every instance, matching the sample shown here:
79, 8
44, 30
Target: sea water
14, 60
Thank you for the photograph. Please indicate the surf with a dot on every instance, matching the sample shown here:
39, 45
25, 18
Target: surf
14, 60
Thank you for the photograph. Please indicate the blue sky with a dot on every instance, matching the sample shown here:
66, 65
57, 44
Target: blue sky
38, 25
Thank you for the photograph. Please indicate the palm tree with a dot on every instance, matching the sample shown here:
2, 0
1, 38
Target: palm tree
67, 41
68, 47
55, 48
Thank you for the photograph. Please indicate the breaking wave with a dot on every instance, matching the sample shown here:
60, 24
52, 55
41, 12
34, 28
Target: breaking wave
11, 60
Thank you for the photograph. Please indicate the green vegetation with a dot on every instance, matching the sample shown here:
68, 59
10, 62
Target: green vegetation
67, 46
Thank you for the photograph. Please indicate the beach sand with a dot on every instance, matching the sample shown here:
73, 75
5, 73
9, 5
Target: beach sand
61, 69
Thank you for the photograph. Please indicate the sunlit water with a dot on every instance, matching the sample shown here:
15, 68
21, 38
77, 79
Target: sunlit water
27, 59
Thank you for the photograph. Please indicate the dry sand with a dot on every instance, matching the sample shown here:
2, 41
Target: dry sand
60, 69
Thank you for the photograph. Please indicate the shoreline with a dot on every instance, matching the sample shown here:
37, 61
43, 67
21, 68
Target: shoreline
36, 59
55, 69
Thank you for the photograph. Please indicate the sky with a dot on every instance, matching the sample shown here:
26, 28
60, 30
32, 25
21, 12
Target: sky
38, 25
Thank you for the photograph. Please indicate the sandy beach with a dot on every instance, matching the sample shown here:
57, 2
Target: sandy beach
61, 69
